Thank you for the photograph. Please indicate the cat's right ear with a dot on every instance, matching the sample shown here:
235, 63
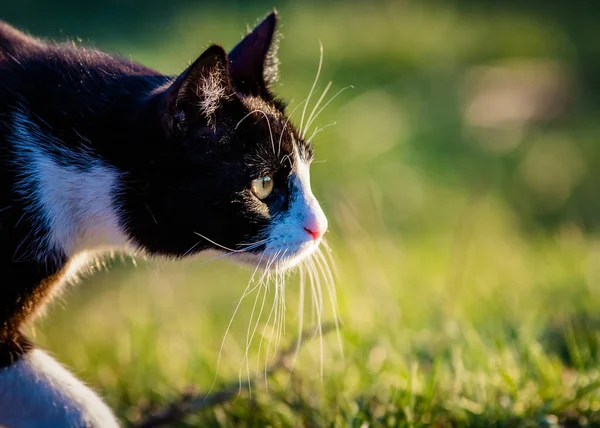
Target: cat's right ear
199, 93
253, 61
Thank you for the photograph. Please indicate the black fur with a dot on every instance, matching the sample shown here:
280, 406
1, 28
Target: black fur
184, 169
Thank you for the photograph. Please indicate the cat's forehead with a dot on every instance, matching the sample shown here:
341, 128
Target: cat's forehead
274, 131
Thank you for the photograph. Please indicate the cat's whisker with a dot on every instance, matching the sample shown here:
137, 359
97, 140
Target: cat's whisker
265, 287
321, 310
317, 104
331, 262
246, 358
322, 263
226, 248
285, 126
301, 283
266, 273
237, 307
312, 89
315, 311
283, 284
248, 247
268, 124
271, 312
319, 129
249, 337
192, 248
330, 279
318, 304
282, 308
330, 285
279, 308
327, 103
260, 283
220, 256
277, 322
246, 244
276, 311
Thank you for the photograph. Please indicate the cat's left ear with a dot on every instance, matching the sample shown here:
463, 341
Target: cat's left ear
253, 61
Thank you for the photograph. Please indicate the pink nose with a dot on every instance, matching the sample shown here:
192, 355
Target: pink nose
314, 227
314, 233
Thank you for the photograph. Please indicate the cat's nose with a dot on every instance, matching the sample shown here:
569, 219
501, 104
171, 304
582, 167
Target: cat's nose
316, 234
316, 225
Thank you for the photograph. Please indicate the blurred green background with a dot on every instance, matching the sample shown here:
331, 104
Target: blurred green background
460, 181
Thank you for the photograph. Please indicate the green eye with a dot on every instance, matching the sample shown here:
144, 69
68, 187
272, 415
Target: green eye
262, 187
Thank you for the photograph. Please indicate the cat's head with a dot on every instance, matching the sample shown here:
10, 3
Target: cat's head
236, 176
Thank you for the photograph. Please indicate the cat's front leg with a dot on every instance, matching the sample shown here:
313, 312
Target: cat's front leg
36, 391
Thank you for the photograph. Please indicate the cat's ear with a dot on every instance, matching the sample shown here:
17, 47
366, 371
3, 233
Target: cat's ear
253, 61
200, 91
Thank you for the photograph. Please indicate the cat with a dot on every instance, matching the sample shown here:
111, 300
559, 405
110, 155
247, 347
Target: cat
99, 153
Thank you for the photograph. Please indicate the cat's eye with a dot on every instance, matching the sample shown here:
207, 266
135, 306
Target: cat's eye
262, 187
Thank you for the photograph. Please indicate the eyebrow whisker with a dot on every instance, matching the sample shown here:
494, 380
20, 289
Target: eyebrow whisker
312, 89
286, 124
319, 129
268, 124
327, 103
312, 116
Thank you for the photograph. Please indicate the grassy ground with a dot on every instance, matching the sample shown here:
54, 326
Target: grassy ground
468, 262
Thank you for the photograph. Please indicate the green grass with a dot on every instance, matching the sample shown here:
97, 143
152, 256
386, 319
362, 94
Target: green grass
469, 277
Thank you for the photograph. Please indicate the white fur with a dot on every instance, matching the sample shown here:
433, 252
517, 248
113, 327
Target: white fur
36, 391
287, 235
76, 206
79, 206
74, 209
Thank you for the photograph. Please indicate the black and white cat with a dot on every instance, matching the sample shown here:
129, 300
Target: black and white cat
98, 153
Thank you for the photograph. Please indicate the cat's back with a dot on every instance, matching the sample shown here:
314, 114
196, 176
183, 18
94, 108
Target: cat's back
58, 93
30, 66
66, 89
15, 43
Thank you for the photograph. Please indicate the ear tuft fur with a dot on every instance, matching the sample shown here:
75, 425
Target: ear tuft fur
204, 85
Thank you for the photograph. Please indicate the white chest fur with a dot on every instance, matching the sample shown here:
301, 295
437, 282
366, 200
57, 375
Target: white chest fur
72, 199
79, 207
